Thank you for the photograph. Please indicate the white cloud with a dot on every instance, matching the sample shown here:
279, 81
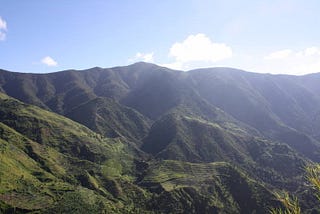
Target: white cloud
279, 54
3, 29
49, 61
194, 52
173, 65
290, 61
313, 51
145, 57
197, 50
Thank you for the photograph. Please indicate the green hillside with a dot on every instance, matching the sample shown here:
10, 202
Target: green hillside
46, 157
76, 170
147, 139
281, 107
205, 188
111, 119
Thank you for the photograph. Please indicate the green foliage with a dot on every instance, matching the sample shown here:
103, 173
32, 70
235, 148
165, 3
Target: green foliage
291, 205
313, 176
111, 169
38, 167
216, 186
80, 201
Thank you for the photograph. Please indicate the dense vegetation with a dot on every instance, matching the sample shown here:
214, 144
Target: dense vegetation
144, 139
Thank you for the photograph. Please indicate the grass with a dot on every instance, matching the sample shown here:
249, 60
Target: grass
43, 155
173, 174
313, 176
219, 184
56, 162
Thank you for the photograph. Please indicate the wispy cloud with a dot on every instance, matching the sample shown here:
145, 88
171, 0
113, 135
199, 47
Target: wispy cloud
197, 49
49, 61
282, 54
290, 61
145, 57
174, 65
3, 29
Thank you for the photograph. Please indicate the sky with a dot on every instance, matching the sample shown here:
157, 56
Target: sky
264, 36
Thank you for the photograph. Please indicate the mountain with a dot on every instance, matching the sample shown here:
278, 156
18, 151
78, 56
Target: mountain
205, 188
47, 159
150, 137
52, 164
282, 107
109, 118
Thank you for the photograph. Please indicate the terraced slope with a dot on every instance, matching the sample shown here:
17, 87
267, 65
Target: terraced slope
50, 169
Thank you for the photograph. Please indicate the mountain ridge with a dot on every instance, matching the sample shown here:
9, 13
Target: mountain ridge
250, 98
141, 116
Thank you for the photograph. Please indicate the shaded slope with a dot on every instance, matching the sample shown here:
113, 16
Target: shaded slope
156, 93
190, 139
109, 118
59, 92
280, 107
183, 138
71, 92
205, 188
62, 91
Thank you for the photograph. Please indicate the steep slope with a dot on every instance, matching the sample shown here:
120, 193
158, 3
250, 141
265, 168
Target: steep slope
205, 188
156, 93
19, 171
280, 107
265, 125
49, 169
137, 85
191, 139
59, 92
71, 92
177, 137
47, 158
62, 91
109, 118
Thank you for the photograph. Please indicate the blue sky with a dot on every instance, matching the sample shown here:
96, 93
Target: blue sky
272, 36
